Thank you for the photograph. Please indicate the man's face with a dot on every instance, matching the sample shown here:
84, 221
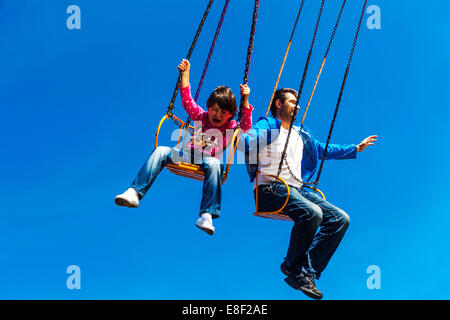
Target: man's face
286, 110
217, 116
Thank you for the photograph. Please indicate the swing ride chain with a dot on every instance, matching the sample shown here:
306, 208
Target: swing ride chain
316, 182
323, 61
249, 54
296, 20
335, 28
294, 116
191, 49
285, 56
208, 59
294, 176
251, 41
211, 49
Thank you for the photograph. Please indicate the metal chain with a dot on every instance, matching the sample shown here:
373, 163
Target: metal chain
335, 28
305, 71
208, 59
296, 20
294, 176
316, 182
357, 34
250, 42
191, 49
211, 49
249, 54
284, 157
323, 62
285, 56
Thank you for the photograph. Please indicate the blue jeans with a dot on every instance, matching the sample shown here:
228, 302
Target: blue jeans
212, 167
318, 226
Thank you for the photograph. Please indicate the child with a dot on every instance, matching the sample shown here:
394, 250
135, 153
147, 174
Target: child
222, 107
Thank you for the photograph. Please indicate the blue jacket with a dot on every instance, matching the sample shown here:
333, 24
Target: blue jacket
267, 129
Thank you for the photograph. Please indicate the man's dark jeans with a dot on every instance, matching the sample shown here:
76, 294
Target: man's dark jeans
318, 226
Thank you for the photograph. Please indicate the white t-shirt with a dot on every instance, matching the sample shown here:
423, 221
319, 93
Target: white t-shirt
270, 156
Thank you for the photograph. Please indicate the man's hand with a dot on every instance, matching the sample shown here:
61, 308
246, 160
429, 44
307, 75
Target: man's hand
366, 142
245, 92
184, 67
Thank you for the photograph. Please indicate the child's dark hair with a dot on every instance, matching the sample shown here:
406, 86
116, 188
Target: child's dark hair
280, 94
224, 98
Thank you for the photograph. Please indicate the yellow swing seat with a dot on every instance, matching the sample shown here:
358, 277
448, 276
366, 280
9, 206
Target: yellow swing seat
278, 214
189, 170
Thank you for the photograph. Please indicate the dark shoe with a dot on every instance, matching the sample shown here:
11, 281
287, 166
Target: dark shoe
284, 268
305, 284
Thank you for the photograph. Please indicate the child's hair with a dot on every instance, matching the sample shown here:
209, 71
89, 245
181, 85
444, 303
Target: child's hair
280, 94
224, 98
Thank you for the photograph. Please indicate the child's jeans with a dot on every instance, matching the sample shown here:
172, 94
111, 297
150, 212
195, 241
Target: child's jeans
212, 167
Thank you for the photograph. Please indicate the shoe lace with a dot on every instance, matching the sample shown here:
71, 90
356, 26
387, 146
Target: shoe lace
309, 280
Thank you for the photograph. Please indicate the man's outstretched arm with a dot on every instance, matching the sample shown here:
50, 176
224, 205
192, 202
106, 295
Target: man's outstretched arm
344, 151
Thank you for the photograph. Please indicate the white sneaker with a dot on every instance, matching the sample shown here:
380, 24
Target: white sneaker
205, 223
128, 199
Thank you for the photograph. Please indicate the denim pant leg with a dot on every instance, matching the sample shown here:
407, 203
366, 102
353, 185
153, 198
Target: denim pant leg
159, 158
306, 216
212, 186
332, 229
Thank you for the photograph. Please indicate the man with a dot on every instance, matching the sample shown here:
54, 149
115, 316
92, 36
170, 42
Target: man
318, 225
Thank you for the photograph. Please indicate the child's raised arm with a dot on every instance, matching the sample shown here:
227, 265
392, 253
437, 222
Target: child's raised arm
191, 107
184, 67
245, 92
246, 121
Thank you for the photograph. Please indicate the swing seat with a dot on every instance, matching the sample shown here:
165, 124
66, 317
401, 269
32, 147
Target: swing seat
190, 170
273, 216
183, 169
187, 170
278, 214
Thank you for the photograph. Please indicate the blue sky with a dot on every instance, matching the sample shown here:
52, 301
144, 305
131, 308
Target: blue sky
79, 114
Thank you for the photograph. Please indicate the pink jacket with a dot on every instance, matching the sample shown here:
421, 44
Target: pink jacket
202, 124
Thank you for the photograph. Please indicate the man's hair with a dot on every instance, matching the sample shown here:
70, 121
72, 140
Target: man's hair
224, 98
280, 94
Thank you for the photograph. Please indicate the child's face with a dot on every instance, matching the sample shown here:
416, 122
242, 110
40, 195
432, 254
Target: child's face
217, 116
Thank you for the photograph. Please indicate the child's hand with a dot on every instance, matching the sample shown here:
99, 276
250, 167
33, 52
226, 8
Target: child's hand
184, 66
245, 92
